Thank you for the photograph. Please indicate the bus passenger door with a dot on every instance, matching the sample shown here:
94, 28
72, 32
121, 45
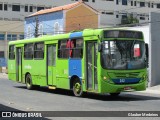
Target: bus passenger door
51, 64
91, 65
19, 64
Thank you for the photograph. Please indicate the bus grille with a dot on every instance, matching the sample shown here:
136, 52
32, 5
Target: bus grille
127, 75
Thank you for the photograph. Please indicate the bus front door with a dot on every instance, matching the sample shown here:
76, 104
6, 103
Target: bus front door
91, 65
19, 64
51, 64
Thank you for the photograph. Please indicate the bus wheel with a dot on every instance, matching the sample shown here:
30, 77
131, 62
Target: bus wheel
29, 82
114, 94
77, 88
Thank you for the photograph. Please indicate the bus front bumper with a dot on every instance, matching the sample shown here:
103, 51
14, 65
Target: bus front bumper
117, 88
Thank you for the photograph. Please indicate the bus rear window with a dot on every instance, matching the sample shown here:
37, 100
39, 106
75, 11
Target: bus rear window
11, 52
123, 34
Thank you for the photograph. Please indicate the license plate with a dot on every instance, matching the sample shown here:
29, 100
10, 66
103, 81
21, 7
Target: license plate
127, 88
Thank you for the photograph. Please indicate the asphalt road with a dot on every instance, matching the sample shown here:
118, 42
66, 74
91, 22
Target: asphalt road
14, 96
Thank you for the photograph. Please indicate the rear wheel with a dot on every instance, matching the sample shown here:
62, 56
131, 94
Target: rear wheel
29, 82
77, 88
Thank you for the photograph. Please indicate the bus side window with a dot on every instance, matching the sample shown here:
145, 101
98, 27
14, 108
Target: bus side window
63, 49
39, 50
11, 52
28, 51
76, 48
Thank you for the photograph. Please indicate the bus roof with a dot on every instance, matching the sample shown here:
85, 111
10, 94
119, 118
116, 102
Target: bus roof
85, 32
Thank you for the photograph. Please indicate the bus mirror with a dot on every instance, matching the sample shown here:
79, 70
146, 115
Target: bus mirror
147, 54
99, 47
146, 47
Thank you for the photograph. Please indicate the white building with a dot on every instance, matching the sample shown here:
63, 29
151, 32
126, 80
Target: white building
112, 13
12, 14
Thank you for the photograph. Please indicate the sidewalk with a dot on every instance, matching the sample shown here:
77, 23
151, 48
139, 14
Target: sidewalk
154, 89
3, 75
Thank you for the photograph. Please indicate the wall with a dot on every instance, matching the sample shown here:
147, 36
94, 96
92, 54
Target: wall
81, 17
154, 56
47, 21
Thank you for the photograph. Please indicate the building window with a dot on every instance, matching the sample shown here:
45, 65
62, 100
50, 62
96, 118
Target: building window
28, 51
149, 4
158, 5
142, 18
1, 6
26, 8
29, 34
56, 28
2, 36
11, 52
1, 54
85, 0
5, 7
135, 3
152, 5
124, 2
11, 37
93, 0
40, 8
14, 37
40, 29
117, 2
131, 3
30, 8
39, 50
117, 16
16, 8
21, 37
142, 4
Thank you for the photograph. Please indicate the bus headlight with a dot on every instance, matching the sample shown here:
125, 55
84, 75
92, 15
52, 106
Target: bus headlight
104, 78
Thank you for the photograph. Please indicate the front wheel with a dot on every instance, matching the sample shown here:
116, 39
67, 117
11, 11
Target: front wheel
29, 82
77, 88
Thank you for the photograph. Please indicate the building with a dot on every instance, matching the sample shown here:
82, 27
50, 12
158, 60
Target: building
12, 14
74, 16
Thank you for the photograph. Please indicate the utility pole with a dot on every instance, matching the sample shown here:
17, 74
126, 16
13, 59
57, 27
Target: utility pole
36, 27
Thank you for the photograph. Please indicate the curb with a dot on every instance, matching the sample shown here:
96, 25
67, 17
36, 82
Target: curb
150, 91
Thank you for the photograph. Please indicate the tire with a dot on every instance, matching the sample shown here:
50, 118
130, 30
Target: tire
77, 88
29, 82
114, 94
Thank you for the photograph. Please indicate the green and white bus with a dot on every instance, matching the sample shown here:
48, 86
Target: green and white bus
93, 60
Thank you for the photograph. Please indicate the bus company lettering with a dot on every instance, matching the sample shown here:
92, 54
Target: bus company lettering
27, 67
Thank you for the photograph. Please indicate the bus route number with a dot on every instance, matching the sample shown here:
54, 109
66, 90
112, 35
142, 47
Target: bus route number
122, 80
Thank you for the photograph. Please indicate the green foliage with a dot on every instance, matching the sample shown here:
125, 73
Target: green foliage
130, 20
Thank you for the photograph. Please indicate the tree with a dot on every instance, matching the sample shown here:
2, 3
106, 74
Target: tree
129, 20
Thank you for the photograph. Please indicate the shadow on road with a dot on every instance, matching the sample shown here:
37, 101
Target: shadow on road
6, 108
122, 97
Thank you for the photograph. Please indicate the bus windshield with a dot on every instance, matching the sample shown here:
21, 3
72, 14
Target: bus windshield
123, 55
